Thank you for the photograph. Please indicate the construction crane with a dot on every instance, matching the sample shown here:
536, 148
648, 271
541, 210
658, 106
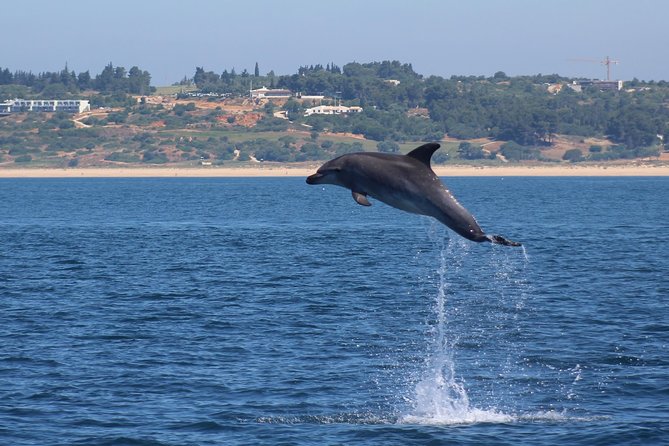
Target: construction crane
608, 62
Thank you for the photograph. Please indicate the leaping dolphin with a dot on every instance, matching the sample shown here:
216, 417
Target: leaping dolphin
406, 182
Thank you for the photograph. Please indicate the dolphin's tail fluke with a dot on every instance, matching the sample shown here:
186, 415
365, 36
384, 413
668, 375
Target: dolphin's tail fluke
499, 240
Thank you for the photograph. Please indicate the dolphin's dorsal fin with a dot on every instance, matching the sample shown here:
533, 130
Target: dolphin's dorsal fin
424, 153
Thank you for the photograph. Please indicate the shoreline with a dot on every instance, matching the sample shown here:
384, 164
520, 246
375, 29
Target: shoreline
292, 171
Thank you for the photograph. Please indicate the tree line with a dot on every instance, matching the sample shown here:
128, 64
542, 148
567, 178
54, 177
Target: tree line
52, 85
401, 105
519, 109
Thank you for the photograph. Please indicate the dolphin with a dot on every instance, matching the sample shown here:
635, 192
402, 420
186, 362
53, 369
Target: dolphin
405, 182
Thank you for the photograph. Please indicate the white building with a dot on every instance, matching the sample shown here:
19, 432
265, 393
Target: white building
601, 85
45, 105
270, 93
331, 110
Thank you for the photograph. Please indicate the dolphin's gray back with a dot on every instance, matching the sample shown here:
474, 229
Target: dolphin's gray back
410, 185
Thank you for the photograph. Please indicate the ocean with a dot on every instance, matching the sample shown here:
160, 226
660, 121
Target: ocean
265, 311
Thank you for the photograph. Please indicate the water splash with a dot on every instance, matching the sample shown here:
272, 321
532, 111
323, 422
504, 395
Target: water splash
439, 396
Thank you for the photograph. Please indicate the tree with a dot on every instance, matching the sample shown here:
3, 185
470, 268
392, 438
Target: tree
288, 141
515, 152
84, 81
469, 151
269, 108
198, 77
119, 73
104, 80
500, 75
67, 78
139, 82
293, 108
256, 71
6, 77
388, 147
371, 130
54, 91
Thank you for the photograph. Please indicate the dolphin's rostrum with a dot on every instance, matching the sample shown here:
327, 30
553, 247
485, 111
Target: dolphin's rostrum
406, 182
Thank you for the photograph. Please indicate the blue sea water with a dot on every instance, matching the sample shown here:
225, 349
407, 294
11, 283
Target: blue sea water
265, 311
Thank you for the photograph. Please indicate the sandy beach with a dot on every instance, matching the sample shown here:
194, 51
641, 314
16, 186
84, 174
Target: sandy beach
632, 169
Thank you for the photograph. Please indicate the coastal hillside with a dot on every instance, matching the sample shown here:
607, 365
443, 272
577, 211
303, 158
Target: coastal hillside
321, 112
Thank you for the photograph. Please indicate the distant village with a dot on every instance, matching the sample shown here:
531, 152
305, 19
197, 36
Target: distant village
264, 93
275, 93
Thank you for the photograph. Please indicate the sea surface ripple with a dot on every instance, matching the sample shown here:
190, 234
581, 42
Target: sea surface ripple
264, 311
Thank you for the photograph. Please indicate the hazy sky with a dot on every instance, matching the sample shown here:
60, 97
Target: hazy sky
169, 38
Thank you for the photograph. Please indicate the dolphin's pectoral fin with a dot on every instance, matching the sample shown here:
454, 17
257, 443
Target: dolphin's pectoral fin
499, 240
360, 198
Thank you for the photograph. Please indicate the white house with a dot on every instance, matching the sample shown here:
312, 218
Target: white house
331, 110
270, 93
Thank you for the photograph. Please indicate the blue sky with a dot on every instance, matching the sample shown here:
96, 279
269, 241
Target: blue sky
170, 38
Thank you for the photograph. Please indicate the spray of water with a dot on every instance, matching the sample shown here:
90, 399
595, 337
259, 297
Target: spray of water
440, 397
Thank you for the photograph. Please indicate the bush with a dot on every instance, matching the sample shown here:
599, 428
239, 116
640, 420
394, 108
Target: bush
65, 124
343, 148
23, 159
513, 151
117, 117
123, 157
462, 131
288, 141
469, 151
271, 125
273, 152
388, 147
18, 150
180, 109
154, 157
646, 152
310, 151
92, 121
573, 155
440, 157
371, 130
